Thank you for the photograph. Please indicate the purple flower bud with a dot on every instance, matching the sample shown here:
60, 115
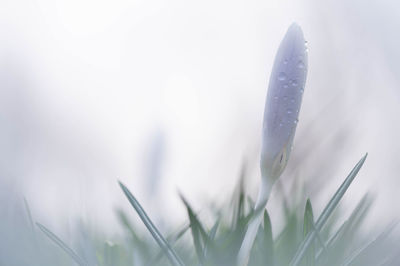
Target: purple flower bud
285, 91
281, 114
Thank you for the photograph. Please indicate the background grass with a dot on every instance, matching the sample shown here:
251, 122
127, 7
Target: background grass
303, 240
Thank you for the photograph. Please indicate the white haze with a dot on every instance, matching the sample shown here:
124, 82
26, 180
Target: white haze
92, 92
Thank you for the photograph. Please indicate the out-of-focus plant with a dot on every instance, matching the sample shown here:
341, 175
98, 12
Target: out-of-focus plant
238, 235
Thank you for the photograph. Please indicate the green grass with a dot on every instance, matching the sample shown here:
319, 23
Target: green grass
304, 240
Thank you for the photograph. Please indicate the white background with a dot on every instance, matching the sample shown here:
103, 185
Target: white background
92, 92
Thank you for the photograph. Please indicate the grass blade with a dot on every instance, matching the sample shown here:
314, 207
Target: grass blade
345, 232
172, 256
327, 212
28, 211
308, 226
359, 252
200, 237
268, 241
211, 238
62, 245
172, 240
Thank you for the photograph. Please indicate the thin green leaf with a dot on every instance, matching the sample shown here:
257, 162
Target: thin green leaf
211, 237
309, 213
346, 230
359, 252
62, 245
238, 198
200, 236
308, 226
268, 242
287, 241
352, 222
327, 212
28, 212
172, 239
172, 256
213, 230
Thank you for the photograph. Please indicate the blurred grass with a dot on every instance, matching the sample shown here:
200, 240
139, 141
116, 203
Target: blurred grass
303, 241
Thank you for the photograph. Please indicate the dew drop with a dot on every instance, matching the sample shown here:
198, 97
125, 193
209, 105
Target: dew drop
301, 90
294, 83
292, 100
300, 64
285, 61
285, 86
280, 124
282, 76
296, 121
289, 111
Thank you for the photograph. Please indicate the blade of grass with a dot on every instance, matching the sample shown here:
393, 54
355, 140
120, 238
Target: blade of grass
241, 201
308, 226
327, 212
62, 245
213, 230
318, 236
200, 236
268, 244
211, 237
343, 234
172, 256
349, 261
28, 211
172, 240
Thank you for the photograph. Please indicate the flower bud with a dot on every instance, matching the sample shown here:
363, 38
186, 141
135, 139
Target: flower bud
282, 107
281, 113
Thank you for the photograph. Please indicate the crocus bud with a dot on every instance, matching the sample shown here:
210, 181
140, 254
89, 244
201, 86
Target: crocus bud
285, 91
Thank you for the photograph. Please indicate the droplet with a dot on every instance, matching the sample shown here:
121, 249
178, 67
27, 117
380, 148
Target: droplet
280, 124
292, 100
294, 83
300, 64
285, 61
301, 90
289, 111
285, 86
275, 98
282, 76
296, 121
